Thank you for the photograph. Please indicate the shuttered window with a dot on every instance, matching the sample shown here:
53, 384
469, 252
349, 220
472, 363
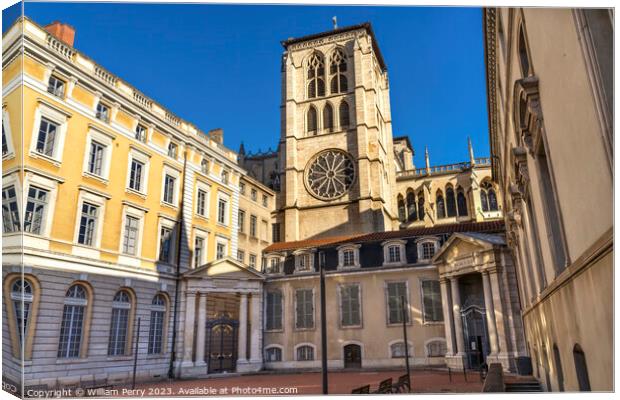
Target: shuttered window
304, 312
396, 290
431, 296
350, 305
274, 310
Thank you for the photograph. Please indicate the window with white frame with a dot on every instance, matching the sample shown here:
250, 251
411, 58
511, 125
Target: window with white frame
102, 112
304, 309
36, 209
22, 295
56, 86
201, 202
305, 353
252, 262
49, 131
98, 154
436, 348
397, 350
173, 150
138, 168
431, 301
303, 262
350, 305
169, 188
396, 294
273, 310
348, 256
274, 266
140, 133
220, 249
10, 210
394, 252
88, 223
273, 354
204, 166
119, 326
240, 255
95, 158
7, 140
72, 325
46, 140
131, 235
225, 177
157, 323
165, 243
200, 248
222, 209
427, 248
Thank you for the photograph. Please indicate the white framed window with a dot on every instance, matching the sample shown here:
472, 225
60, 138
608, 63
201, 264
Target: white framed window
252, 261
102, 112
36, 209
98, 154
170, 186
166, 244
22, 296
253, 223
349, 256
200, 248
39, 203
204, 166
274, 265
7, 140
427, 247
304, 262
133, 226
241, 256
10, 210
394, 252
73, 318
304, 309
273, 354
173, 150
350, 305
159, 310
222, 208
141, 133
202, 199
397, 349
48, 133
122, 305
304, 352
90, 217
431, 301
225, 177
138, 171
273, 310
221, 248
56, 86
395, 293
436, 347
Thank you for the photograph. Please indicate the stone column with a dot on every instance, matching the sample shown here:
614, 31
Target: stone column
257, 323
490, 313
243, 329
188, 338
497, 309
447, 316
458, 322
201, 330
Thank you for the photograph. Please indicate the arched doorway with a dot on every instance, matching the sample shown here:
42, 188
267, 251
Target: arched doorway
221, 344
352, 356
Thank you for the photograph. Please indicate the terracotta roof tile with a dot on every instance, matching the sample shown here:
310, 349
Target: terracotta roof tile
488, 226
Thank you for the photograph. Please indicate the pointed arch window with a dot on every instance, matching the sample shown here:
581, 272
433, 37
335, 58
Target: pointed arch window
441, 208
558, 367
73, 321
344, 114
421, 206
316, 73
402, 217
581, 368
311, 123
328, 118
450, 202
488, 198
337, 71
412, 214
461, 202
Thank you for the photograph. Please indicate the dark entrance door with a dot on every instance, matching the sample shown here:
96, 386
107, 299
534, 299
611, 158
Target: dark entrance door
221, 345
475, 335
352, 356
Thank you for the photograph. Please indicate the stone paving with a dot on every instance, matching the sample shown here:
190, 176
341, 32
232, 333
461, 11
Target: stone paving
424, 381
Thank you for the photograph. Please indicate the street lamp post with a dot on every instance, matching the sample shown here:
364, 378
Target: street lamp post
404, 318
323, 328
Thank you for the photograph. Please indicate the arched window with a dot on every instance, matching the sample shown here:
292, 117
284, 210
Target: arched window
273, 354
412, 214
120, 334
328, 118
402, 217
337, 70
22, 295
316, 73
421, 206
436, 348
488, 199
344, 114
461, 202
558, 367
73, 318
305, 353
581, 368
21, 298
311, 124
441, 208
397, 350
156, 328
450, 202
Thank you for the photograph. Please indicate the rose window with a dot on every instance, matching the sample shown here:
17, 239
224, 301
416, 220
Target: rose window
330, 174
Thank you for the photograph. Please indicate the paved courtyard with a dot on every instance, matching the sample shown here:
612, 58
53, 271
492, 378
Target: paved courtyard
424, 381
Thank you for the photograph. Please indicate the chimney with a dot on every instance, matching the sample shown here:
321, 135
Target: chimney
217, 134
64, 32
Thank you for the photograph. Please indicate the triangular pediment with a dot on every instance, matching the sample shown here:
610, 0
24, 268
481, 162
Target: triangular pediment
225, 268
461, 245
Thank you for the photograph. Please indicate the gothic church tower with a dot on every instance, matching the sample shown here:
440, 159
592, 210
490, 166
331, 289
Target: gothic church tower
336, 137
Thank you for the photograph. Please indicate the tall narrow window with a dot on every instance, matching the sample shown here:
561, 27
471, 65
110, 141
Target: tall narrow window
402, 216
328, 118
88, 224
461, 202
201, 203
343, 110
581, 368
119, 326
165, 244
241, 221
10, 211
222, 206
524, 57
488, 199
35, 210
253, 225
5, 141
558, 367
304, 309
130, 237
169, 182
441, 209
412, 214
394, 254
95, 157
395, 292
274, 310
350, 313
421, 211
316, 74
135, 175
72, 326
337, 72
431, 296
450, 202
47, 137
311, 121
220, 250
224, 177
22, 296
172, 150
199, 245
156, 327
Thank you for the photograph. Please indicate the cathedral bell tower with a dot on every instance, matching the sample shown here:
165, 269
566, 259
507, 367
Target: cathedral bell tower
336, 136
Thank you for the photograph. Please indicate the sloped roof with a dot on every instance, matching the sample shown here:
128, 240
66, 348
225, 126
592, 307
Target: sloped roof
469, 227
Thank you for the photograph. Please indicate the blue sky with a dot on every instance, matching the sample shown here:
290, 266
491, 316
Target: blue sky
219, 65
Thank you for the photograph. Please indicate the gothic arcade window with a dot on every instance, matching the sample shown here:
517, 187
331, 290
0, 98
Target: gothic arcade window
581, 368
402, 217
461, 202
337, 71
72, 327
488, 198
450, 202
441, 208
421, 206
316, 73
343, 110
311, 121
412, 214
328, 118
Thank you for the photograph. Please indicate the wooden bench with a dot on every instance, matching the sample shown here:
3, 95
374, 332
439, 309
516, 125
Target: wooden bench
385, 386
403, 384
361, 390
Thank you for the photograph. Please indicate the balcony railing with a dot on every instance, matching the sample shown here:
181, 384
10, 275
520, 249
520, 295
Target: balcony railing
442, 169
